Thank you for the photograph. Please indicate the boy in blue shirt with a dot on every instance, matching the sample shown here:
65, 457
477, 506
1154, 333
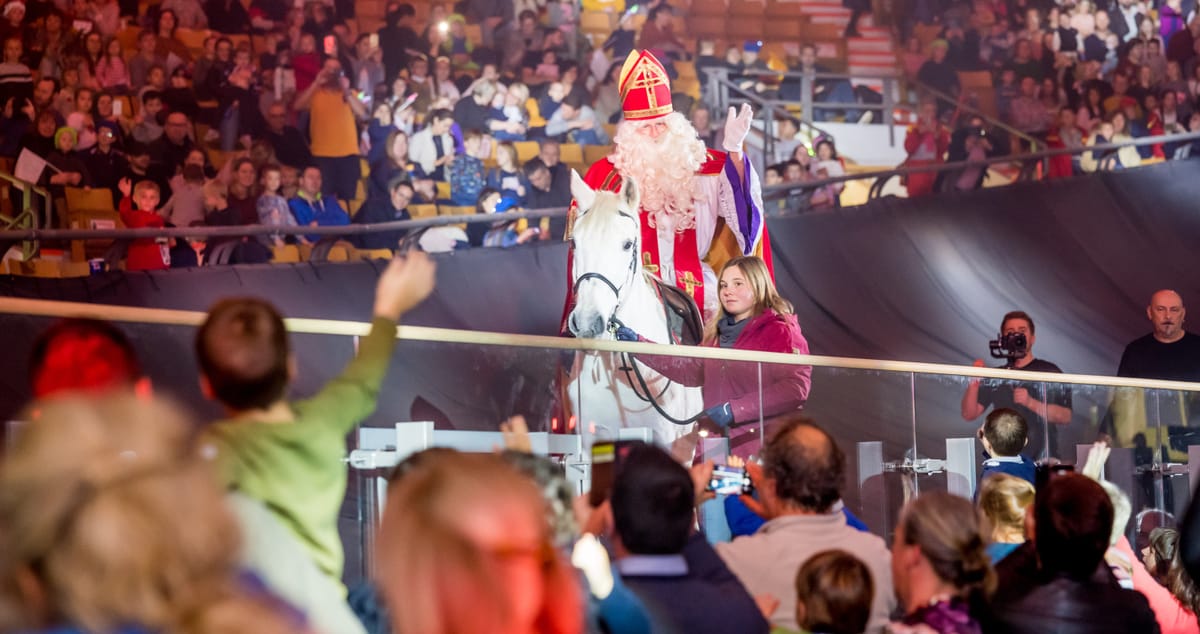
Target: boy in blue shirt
1004, 435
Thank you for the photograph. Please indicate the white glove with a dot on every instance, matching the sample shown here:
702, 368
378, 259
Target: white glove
590, 557
737, 126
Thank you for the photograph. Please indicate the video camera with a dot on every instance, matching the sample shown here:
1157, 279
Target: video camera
1010, 346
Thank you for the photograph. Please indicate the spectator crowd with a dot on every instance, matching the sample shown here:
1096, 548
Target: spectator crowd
224, 108
1059, 75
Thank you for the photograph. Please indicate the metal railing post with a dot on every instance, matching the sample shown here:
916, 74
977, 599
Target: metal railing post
806, 98
889, 109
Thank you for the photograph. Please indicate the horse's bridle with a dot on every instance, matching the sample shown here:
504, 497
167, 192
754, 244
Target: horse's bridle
618, 291
628, 365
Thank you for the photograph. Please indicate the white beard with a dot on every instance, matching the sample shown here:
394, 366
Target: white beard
663, 169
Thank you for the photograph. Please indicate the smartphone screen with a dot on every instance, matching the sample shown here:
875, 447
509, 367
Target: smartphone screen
606, 459
729, 481
373, 40
330, 45
118, 106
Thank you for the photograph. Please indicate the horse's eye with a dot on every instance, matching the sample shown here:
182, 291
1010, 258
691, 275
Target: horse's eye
628, 245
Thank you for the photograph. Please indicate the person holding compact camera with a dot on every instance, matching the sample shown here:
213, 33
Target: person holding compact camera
334, 112
1041, 405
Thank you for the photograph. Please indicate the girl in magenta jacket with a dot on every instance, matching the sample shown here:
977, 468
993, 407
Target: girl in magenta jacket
752, 317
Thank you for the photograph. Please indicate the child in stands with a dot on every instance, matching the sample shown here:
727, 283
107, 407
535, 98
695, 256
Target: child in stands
273, 208
466, 171
1004, 435
288, 454
145, 254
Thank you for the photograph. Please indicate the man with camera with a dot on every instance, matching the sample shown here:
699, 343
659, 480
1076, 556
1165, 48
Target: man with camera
1038, 403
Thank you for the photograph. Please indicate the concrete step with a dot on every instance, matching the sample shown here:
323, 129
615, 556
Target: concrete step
856, 45
872, 69
888, 59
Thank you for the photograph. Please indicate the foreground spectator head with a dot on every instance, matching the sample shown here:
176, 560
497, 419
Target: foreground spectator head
1073, 519
1160, 552
1003, 500
465, 547
85, 355
804, 469
556, 491
653, 500
938, 549
243, 352
834, 591
122, 527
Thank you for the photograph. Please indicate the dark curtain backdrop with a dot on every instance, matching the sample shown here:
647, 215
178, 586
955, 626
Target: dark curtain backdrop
916, 280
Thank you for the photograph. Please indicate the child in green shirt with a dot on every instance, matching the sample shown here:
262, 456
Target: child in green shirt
289, 454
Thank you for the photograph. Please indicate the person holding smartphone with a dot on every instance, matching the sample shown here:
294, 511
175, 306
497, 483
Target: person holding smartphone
334, 112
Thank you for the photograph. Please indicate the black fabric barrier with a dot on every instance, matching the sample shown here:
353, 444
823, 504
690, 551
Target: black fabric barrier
918, 280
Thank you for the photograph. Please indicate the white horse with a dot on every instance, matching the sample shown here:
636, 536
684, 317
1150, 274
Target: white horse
612, 289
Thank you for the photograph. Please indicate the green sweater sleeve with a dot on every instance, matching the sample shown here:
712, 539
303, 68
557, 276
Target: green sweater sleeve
350, 398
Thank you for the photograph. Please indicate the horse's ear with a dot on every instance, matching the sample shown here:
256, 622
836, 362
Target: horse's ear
629, 194
585, 196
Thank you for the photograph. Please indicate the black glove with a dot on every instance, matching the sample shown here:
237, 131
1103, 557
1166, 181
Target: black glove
721, 415
624, 333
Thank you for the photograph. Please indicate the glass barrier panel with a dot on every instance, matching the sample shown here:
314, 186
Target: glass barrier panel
870, 415
903, 433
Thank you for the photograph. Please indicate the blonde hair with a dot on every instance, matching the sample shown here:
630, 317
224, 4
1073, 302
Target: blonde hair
105, 503
1003, 499
216, 189
520, 92
142, 186
436, 579
765, 294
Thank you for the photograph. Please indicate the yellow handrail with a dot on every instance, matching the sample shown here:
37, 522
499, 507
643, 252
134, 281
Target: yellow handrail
130, 314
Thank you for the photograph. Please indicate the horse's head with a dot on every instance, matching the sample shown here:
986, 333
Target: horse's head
606, 238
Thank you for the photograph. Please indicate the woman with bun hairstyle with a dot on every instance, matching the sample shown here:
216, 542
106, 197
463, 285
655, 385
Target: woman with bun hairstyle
940, 566
752, 316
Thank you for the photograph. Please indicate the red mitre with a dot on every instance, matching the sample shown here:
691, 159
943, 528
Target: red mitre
645, 88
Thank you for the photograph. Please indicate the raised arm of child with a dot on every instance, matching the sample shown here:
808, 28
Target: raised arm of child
352, 397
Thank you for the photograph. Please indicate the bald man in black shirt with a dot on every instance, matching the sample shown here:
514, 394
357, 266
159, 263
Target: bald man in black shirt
1169, 353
